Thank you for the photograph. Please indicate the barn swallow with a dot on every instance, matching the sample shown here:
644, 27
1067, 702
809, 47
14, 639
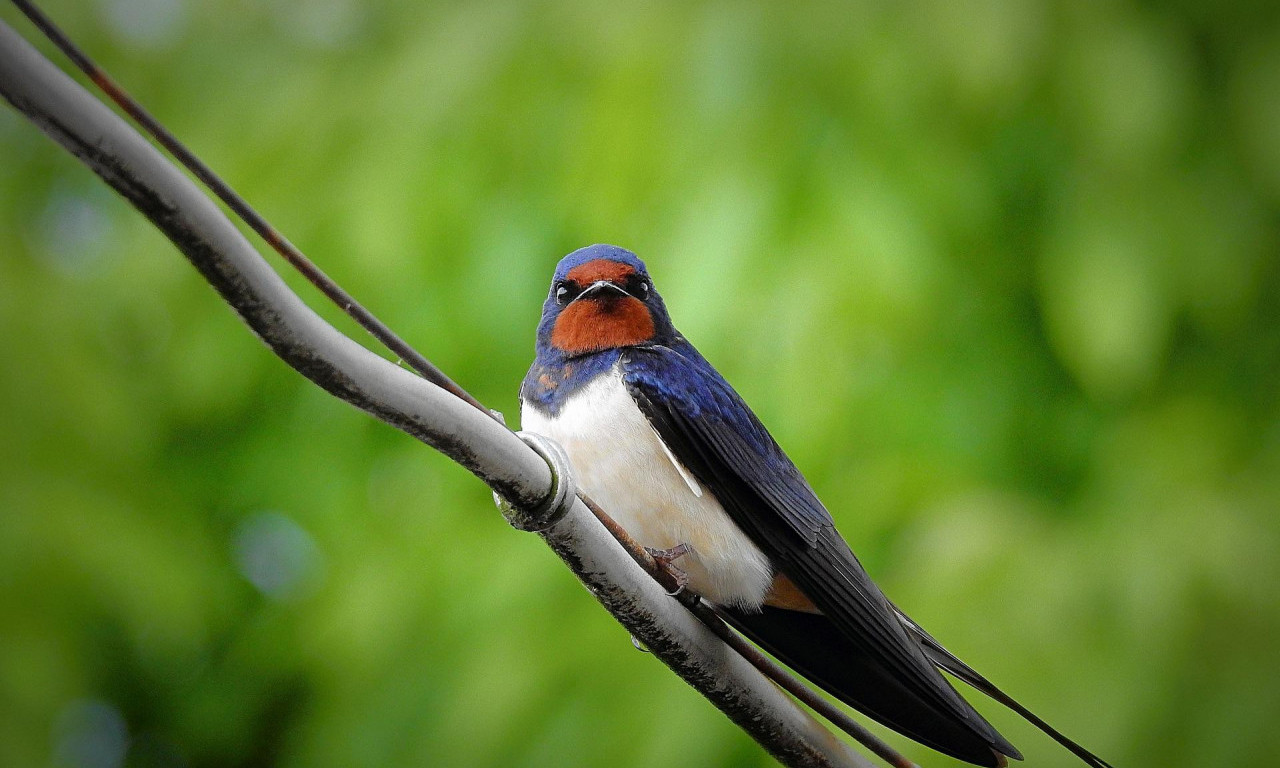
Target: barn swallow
662, 442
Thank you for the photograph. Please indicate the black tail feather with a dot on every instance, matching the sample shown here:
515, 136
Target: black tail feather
961, 671
813, 646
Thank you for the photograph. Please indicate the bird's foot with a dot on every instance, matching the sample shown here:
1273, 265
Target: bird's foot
665, 558
669, 556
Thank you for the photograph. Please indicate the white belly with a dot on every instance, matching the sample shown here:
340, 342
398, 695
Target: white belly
620, 461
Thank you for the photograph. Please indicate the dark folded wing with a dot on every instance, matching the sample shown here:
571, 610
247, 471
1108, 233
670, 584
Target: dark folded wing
712, 432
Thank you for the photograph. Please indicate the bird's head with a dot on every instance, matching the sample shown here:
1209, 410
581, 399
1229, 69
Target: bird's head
601, 298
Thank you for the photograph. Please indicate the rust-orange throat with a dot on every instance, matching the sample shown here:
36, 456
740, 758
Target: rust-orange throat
602, 310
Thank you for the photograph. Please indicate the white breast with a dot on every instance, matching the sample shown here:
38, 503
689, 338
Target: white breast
627, 469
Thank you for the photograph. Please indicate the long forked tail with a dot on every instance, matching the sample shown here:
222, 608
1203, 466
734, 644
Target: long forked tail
811, 644
961, 671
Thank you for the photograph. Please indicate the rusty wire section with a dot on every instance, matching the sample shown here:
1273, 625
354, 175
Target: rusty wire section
661, 573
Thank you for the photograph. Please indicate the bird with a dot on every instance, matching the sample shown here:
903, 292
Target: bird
664, 444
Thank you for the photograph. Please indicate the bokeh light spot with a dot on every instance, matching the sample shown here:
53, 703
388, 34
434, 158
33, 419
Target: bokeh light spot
90, 733
277, 556
145, 23
71, 232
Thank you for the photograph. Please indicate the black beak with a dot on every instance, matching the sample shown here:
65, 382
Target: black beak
600, 287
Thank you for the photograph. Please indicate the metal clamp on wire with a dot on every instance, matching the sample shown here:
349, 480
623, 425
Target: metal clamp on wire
563, 488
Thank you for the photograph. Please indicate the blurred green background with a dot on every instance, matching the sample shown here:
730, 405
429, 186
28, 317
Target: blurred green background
1002, 277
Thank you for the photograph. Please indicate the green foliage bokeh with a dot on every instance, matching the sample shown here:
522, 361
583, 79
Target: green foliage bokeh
1001, 276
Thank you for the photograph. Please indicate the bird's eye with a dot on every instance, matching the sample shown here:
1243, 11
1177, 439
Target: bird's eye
565, 293
638, 286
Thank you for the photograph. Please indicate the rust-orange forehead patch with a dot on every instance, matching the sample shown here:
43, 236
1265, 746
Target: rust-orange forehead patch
600, 269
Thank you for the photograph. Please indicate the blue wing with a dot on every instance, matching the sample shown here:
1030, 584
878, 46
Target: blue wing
716, 436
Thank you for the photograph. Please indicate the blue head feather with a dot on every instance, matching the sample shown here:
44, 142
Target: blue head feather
598, 251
